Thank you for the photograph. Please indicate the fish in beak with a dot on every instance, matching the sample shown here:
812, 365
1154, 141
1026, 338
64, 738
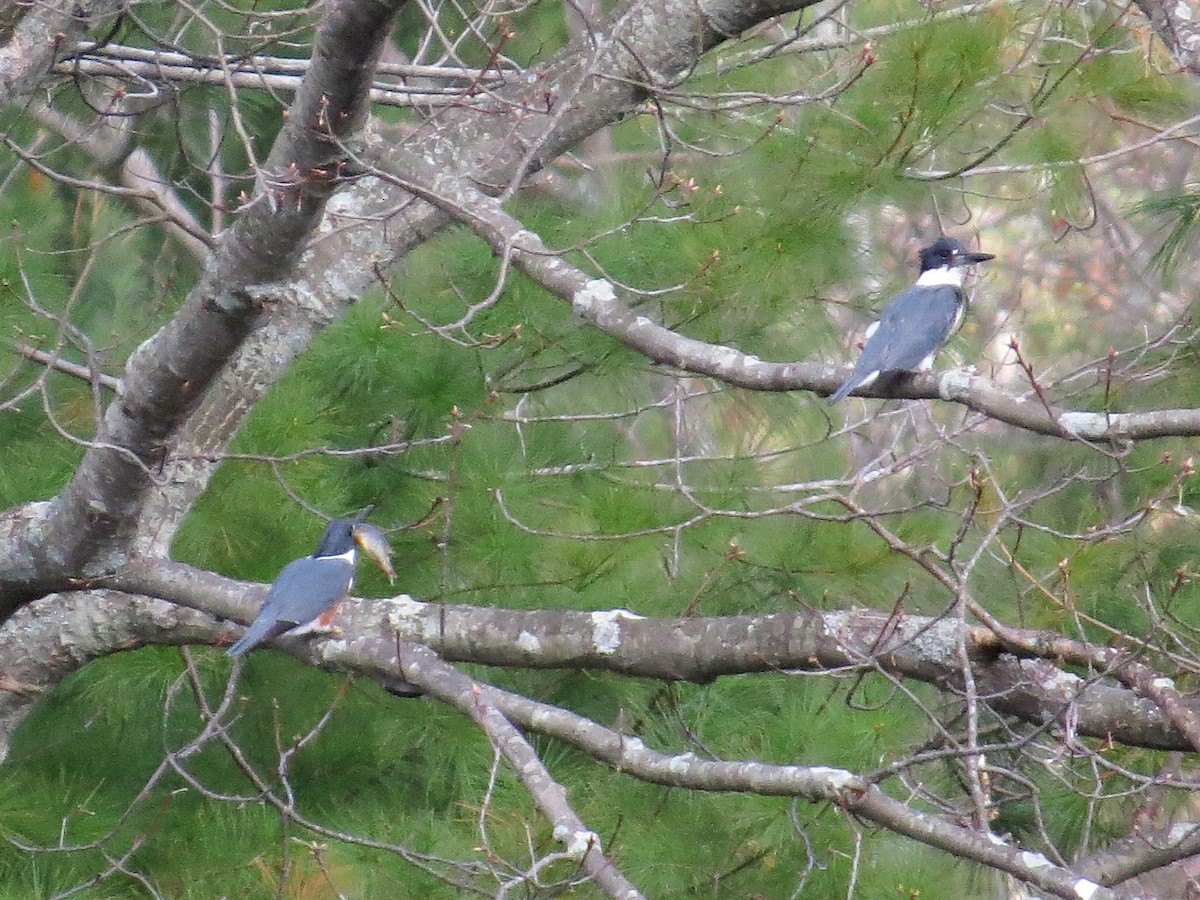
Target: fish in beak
375, 544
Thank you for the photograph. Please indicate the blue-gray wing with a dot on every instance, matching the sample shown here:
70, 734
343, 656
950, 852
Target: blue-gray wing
304, 589
911, 328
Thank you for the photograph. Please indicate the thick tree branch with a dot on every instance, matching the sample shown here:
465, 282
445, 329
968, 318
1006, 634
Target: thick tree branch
465, 627
38, 652
56, 635
1031, 689
619, 641
88, 527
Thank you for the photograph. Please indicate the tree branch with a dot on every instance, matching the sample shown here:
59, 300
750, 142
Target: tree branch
56, 635
144, 184
422, 668
75, 370
819, 784
42, 33
1176, 26
263, 73
1031, 689
596, 302
87, 529
514, 129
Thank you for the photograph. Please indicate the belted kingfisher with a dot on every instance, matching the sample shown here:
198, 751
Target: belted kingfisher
917, 323
311, 587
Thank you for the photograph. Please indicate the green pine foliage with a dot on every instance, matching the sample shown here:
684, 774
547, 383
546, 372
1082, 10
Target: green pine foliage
770, 243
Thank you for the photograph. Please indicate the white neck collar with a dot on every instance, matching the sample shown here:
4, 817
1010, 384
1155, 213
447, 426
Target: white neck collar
348, 556
943, 276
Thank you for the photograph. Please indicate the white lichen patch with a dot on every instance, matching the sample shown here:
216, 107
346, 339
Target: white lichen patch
402, 610
1084, 888
679, 765
330, 648
955, 384
1057, 681
838, 779
597, 292
606, 629
576, 841
405, 604
606, 635
726, 359
528, 642
1180, 832
1035, 860
1083, 423
340, 204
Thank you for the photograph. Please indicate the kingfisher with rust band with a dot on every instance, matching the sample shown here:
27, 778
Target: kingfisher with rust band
309, 589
